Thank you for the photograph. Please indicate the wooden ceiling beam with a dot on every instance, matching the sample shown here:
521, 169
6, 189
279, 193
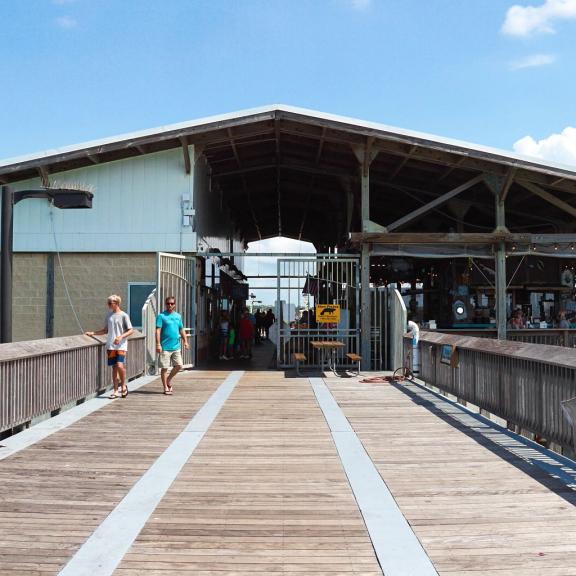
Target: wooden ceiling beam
550, 198
44, 176
419, 212
186, 154
430, 238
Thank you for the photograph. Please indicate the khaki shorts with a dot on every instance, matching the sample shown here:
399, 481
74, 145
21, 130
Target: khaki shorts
169, 358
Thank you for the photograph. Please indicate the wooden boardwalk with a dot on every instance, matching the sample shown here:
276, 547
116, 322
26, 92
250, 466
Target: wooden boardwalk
265, 491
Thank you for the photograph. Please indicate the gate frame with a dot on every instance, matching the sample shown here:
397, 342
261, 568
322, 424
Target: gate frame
189, 318
353, 259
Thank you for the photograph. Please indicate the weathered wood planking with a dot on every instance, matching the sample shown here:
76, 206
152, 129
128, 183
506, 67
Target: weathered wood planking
264, 493
55, 493
476, 510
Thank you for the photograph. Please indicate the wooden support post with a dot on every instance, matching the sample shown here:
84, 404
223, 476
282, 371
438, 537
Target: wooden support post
500, 270
365, 316
365, 156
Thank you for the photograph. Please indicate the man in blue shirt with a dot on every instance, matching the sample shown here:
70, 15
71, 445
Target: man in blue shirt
169, 332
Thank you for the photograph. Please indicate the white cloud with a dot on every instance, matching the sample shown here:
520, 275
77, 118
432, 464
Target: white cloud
534, 61
556, 147
66, 22
527, 20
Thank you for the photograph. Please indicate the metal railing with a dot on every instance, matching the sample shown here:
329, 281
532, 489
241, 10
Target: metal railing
40, 376
300, 341
398, 325
522, 383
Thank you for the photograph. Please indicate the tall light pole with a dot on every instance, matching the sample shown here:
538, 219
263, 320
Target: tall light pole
65, 198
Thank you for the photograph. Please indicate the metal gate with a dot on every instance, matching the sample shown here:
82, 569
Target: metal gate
379, 327
177, 277
304, 283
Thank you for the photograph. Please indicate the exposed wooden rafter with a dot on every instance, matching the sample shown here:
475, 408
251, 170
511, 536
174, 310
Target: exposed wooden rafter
234, 148
44, 176
251, 206
186, 154
401, 164
434, 203
550, 198
488, 238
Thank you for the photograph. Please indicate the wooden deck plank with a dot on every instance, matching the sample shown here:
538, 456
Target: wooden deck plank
60, 489
476, 507
264, 493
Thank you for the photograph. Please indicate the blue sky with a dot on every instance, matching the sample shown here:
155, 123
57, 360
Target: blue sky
489, 71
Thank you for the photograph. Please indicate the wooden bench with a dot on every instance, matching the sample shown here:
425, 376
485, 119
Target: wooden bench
355, 358
298, 357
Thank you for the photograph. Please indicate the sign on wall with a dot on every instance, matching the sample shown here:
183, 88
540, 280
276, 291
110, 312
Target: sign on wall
328, 313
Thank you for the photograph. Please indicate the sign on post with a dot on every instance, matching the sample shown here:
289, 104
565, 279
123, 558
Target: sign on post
328, 313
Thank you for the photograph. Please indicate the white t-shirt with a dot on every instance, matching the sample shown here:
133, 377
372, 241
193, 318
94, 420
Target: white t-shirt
414, 331
117, 323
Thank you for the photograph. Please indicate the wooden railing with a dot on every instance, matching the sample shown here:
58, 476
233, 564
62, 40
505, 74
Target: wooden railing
520, 382
40, 376
552, 336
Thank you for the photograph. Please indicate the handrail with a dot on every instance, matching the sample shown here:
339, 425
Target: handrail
545, 353
40, 376
554, 336
520, 382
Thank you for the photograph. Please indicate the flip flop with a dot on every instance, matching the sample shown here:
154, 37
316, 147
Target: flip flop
167, 392
125, 393
113, 396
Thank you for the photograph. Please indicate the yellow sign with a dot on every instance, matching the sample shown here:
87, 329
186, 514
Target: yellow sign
329, 313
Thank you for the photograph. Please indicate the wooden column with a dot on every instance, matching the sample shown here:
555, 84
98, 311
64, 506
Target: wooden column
366, 315
365, 155
500, 293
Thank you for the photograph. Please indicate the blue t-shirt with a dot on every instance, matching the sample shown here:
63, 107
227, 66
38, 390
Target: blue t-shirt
170, 325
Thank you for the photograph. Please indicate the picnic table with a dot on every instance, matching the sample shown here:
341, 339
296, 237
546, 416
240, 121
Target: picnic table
327, 346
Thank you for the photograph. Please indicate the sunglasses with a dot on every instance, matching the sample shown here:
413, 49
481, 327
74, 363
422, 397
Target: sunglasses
170, 303
110, 302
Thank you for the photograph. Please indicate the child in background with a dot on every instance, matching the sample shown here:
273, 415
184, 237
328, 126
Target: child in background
231, 342
223, 334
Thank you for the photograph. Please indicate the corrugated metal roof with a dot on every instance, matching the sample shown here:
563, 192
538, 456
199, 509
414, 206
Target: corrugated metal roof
375, 129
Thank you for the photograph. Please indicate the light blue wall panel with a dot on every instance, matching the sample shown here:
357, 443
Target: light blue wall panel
137, 208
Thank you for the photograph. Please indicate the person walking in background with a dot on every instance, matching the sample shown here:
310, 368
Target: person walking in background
117, 328
269, 319
246, 331
259, 325
233, 342
223, 334
562, 321
169, 335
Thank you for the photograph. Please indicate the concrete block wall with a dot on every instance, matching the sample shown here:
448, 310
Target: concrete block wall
29, 288
91, 277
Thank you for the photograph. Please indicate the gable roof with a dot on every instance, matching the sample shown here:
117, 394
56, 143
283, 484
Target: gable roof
237, 124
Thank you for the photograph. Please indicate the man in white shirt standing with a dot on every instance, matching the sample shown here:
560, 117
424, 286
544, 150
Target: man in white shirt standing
414, 331
118, 327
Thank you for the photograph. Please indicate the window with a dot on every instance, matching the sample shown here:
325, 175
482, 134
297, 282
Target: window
138, 292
